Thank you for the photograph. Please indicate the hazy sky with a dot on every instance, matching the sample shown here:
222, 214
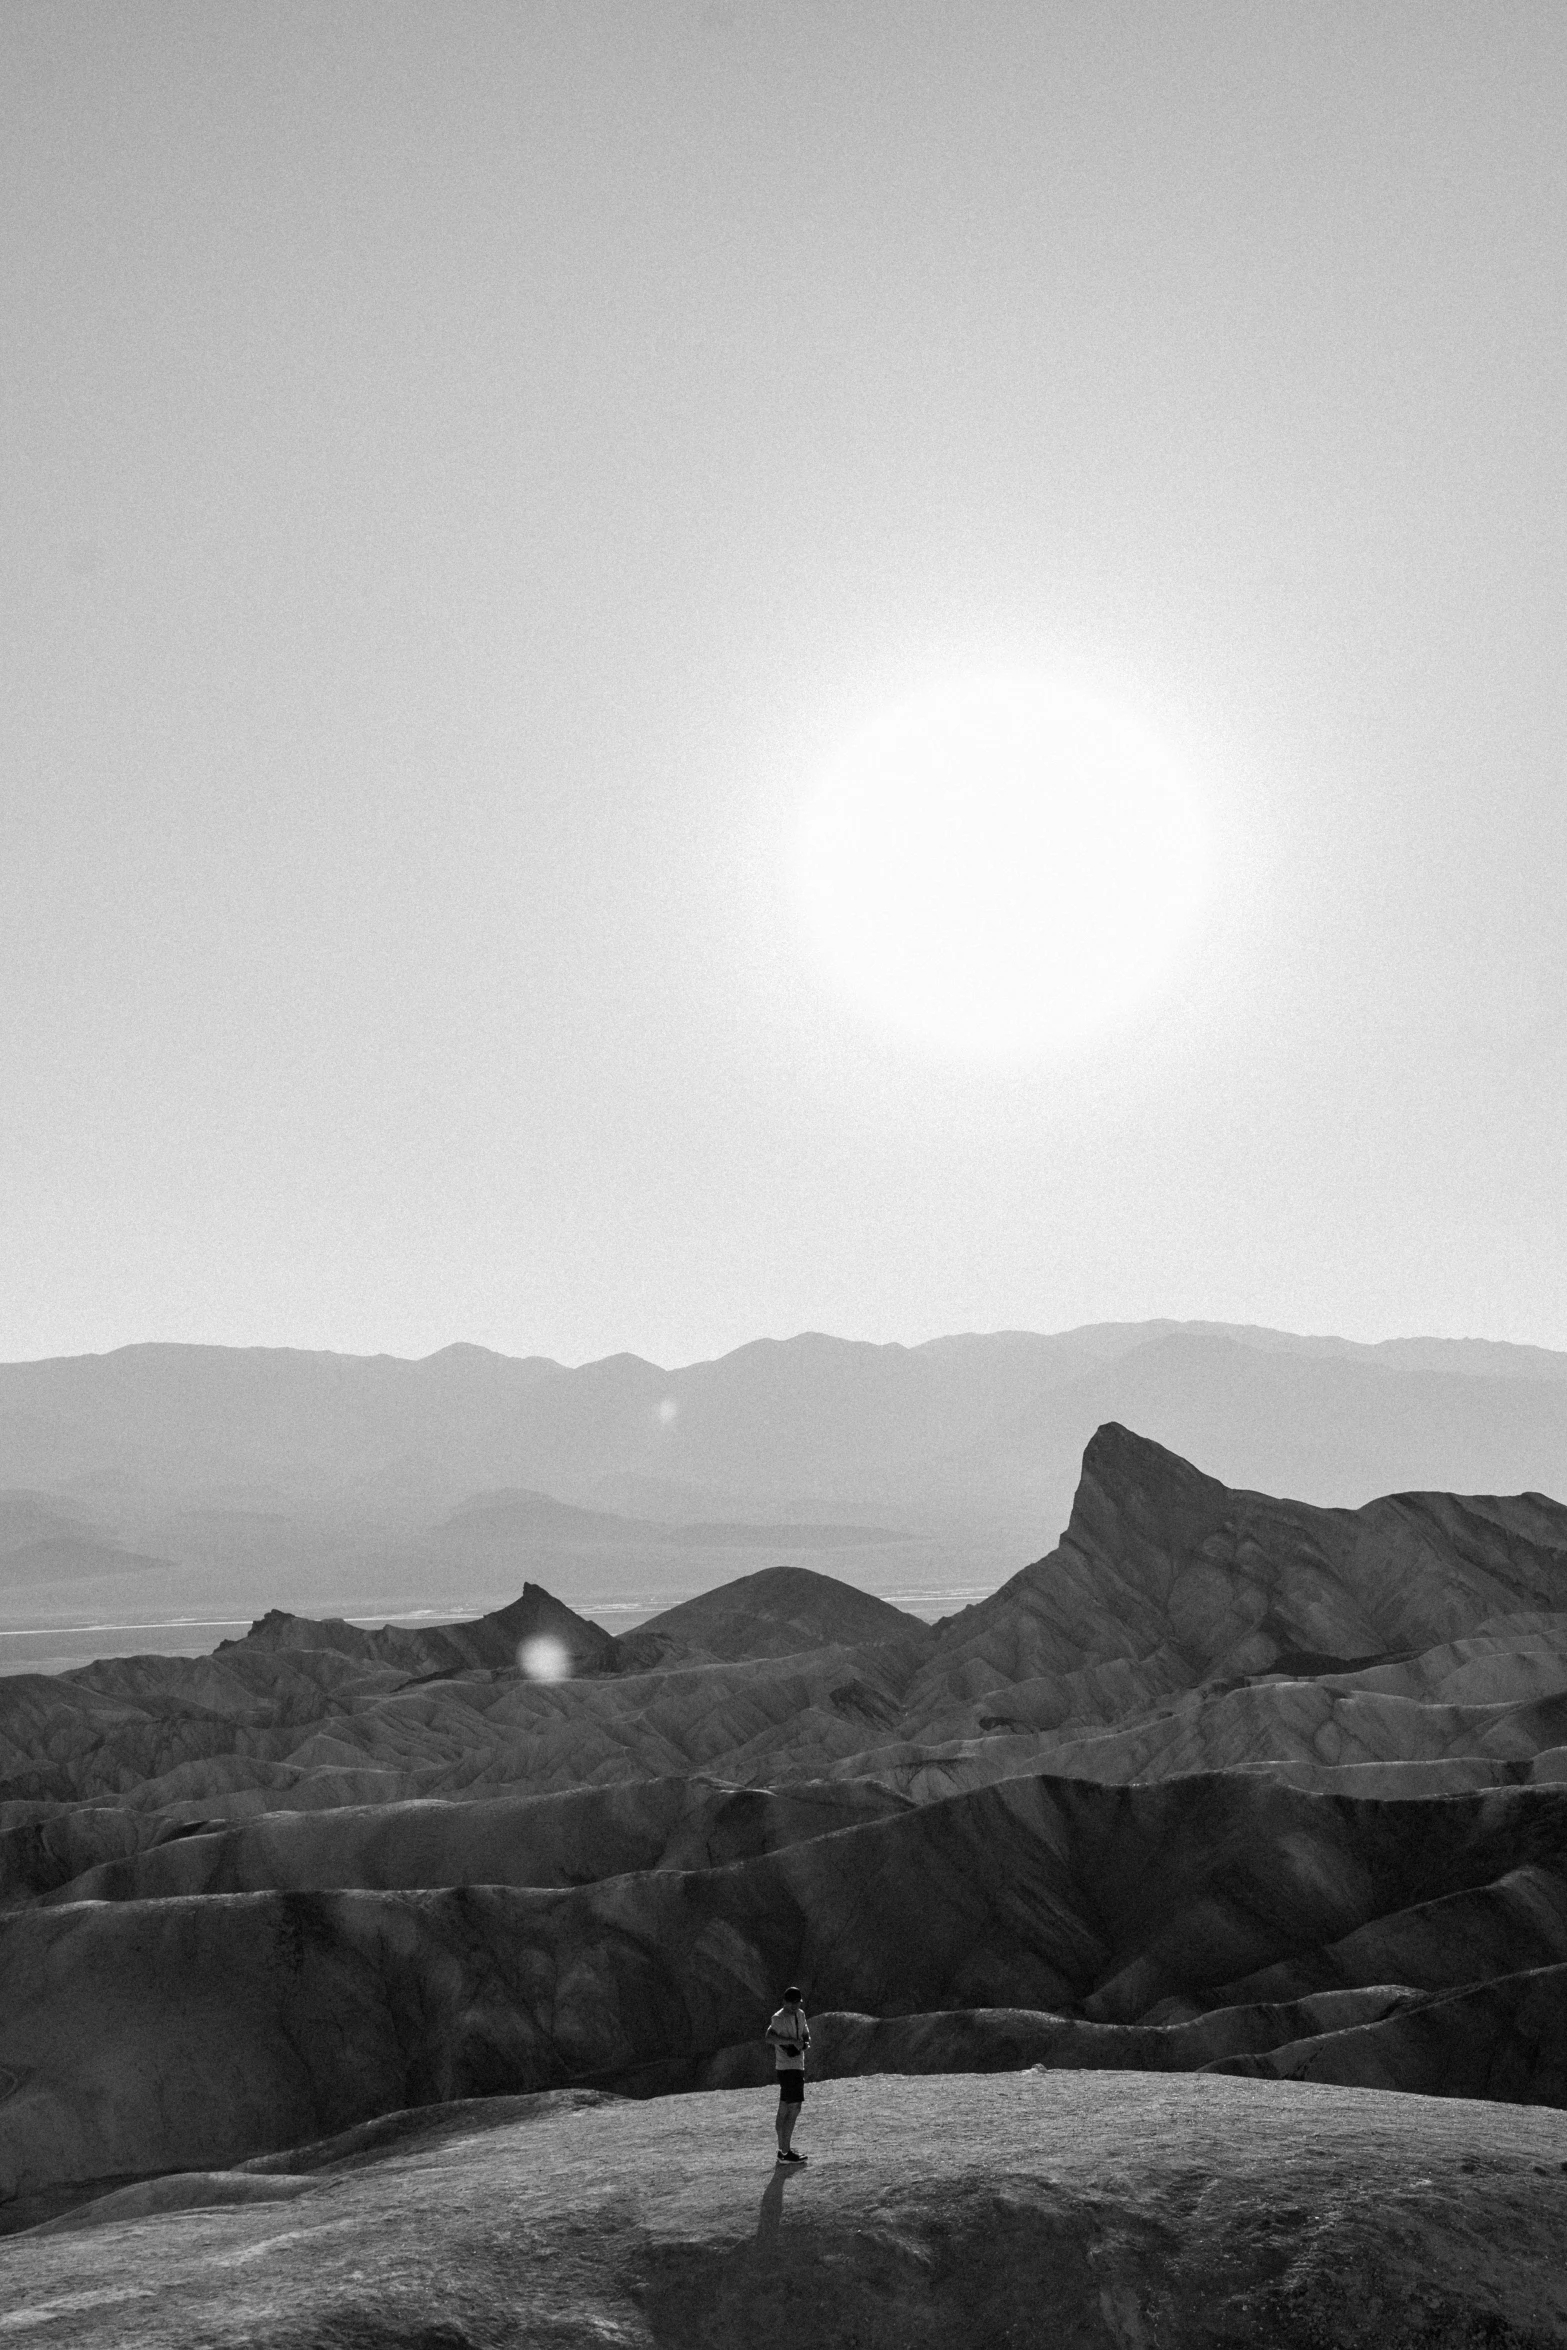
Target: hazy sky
467, 468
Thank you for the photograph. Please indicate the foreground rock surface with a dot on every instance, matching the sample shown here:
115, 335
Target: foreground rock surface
1084, 2212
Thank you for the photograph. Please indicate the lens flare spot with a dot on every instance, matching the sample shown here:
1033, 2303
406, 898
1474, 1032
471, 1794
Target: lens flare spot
667, 1411
545, 1658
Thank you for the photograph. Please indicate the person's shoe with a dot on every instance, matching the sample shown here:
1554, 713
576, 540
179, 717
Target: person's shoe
791, 2156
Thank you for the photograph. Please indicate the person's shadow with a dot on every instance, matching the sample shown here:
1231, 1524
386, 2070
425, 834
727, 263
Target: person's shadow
768, 2218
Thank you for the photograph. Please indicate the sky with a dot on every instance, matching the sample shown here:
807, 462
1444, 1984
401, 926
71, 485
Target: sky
467, 470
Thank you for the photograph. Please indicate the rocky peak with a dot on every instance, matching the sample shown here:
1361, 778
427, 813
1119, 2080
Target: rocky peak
1161, 1561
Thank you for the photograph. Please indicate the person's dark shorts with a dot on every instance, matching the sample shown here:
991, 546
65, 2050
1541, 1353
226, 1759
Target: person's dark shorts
791, 2088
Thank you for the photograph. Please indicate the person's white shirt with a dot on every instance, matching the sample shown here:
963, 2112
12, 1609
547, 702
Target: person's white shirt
789, 2031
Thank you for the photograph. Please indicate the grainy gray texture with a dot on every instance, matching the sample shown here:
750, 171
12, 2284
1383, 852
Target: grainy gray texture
962, 2214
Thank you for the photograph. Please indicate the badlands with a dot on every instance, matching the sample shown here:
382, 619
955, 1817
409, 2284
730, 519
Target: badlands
1184, 1928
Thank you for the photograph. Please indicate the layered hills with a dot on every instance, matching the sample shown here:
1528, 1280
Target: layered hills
1178, 1626
1222, 1782
172, 1477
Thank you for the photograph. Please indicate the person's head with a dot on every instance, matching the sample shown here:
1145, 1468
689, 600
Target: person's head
791, 1995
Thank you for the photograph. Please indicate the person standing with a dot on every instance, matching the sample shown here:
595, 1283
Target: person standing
790, 2035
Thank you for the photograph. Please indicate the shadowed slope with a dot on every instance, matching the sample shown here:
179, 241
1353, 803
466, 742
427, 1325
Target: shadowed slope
778, 1612
567, 1839
251, 1729
1161, 1562
187, 2032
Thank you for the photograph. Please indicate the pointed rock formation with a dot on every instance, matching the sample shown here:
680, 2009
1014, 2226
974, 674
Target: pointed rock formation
487, 1642
1164, 1566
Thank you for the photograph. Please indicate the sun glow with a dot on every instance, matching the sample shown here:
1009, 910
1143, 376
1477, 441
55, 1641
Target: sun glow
1002, 864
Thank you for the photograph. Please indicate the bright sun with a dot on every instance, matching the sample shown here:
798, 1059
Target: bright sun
1000, 864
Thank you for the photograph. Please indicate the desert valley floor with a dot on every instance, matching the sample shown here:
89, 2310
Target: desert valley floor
1188, 1919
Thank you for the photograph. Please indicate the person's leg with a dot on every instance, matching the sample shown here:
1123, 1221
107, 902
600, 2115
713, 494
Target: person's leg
791, 2091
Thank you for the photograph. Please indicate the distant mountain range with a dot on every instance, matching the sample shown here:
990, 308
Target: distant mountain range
193, 1477
515, 1516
